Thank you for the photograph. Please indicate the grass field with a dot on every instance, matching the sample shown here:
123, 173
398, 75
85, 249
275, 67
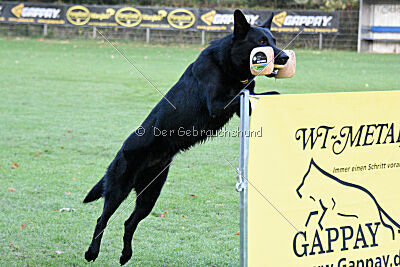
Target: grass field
65, 109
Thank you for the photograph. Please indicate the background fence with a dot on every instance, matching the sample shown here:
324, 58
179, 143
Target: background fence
346, 38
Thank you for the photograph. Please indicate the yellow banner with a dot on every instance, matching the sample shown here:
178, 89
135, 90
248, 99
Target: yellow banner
329, 166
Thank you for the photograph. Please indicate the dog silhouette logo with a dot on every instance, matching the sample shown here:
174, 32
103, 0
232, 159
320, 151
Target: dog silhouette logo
331, 190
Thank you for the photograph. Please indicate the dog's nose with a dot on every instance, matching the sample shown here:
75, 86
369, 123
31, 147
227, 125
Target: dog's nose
282, 59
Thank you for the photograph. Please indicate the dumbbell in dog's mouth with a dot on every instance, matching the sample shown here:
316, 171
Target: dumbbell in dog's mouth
279, 63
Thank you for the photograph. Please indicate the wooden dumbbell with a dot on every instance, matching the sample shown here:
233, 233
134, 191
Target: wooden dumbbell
262, 60
287, 70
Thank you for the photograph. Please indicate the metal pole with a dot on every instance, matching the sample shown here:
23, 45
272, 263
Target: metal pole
243, 167
45, 30
148, 35
320, 41
94, 32
359, 27
203, 37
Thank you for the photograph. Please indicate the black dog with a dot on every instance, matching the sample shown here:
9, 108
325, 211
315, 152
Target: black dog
204, 98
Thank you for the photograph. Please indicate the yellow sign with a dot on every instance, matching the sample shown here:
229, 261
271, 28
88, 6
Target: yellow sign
21, 20
181, 18
212, 27
329, 166
51, 21
17, 10
208, 17
78, 15
128, 16
279, 18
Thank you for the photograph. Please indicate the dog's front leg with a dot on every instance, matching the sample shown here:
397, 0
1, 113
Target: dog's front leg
251, 88
217, 107
218, 102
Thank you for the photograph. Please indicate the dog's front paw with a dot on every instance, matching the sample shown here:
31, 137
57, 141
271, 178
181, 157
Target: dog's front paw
91, 255
269, 93
125, 257
273, 93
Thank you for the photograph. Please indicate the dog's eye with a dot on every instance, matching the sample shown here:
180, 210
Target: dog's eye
263, 41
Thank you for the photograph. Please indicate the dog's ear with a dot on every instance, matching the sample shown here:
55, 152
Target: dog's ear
268, 22
241, 26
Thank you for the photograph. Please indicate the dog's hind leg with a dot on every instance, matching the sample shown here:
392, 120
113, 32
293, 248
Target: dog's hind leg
118, 184
112, 200
147, 196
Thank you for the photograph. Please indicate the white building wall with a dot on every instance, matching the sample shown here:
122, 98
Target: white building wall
386, 15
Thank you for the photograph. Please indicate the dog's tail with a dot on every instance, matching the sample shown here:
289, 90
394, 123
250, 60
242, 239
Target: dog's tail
96, 192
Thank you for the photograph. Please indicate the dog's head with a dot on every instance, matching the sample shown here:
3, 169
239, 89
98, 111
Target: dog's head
246, 38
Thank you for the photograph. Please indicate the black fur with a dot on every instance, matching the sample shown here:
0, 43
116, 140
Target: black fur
201, 98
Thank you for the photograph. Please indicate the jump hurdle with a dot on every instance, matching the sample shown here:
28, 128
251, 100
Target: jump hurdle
320, 187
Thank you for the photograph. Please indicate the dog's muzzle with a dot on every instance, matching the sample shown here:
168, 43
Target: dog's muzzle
281, 59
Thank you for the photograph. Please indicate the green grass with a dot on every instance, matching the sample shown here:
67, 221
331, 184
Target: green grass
50, 87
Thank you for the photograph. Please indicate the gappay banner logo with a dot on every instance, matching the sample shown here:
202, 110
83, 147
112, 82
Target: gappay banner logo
329, 165
34, 13
222, 20
313, 22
